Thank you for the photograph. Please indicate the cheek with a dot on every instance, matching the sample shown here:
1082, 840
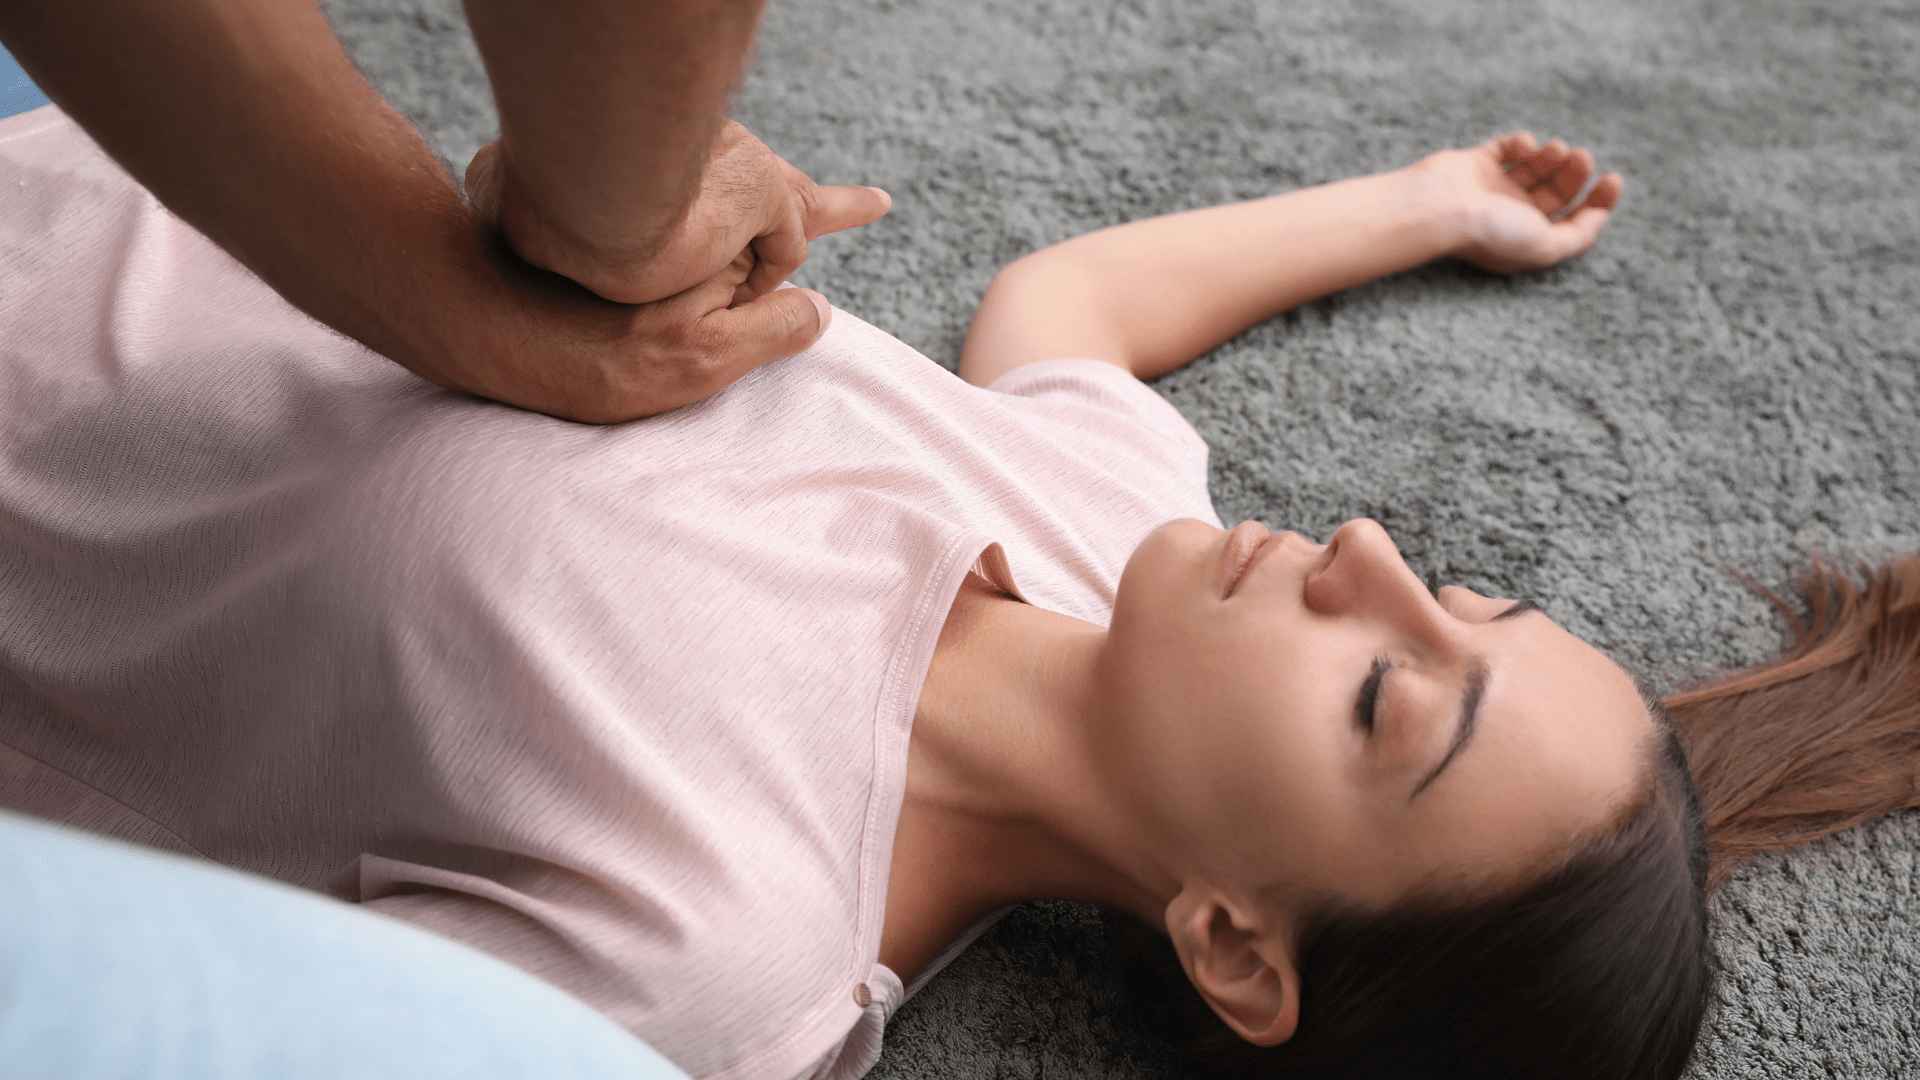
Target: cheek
1294, 737
1312, 733
1324, 835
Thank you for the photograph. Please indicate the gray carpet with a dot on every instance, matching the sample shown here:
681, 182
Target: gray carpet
1731, 380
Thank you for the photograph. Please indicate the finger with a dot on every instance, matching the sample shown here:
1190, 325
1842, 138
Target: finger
482, 182
823, 210
776, 325
1606, 193
1513, 147
843, 207
1569, 180
741, 272
1601, 191
1541, 165
778, 252
1577, 234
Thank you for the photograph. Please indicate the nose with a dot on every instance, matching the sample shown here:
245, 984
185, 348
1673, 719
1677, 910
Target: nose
1364, 576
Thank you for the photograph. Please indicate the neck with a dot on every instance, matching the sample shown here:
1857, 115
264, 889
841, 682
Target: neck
1003, 802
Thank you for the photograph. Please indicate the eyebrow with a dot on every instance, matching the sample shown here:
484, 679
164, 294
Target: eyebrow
1520, 608
1469, 715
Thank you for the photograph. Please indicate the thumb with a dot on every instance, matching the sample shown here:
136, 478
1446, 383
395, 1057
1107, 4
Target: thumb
1576, 234
844, 207
482, 182
777, 325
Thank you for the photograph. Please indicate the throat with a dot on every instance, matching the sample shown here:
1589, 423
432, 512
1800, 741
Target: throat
995, 784
929, 905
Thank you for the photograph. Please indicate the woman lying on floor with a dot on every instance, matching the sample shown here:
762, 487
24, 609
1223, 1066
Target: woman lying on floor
738, 722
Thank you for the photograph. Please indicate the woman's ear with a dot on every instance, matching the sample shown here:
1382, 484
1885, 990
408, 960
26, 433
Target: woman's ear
1244, 967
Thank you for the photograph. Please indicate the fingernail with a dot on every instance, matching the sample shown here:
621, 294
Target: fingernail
820, 305
884, 198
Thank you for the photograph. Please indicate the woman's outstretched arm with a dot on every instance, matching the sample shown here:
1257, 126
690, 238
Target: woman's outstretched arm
1153, 295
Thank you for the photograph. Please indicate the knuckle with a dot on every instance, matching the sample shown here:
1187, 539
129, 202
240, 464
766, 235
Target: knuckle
806, 194
680, 359
791, 254
692, 346
700, 365
799, 318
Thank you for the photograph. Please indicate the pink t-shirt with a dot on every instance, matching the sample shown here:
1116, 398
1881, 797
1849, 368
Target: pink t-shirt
628, 706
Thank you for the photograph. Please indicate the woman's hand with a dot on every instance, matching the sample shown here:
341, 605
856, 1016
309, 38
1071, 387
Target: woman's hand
1520, 201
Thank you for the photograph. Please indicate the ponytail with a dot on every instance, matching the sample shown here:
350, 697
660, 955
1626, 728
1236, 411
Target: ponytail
1826, 737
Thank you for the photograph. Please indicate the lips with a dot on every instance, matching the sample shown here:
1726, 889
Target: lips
1250, 542
1243, 543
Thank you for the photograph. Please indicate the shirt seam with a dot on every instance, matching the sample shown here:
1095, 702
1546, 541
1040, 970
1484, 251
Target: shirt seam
889, 696
1155, 419
109, 797
888, 706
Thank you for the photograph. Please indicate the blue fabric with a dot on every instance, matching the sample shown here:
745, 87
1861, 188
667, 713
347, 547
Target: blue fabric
17, 92
124, 962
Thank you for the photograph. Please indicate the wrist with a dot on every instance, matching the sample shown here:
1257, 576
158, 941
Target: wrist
416, 306
1440, 211
603, 255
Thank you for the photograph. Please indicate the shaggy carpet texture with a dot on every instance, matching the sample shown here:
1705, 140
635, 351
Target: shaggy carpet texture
1730, 381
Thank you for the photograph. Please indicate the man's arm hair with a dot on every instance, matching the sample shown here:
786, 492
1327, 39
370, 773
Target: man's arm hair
248, 121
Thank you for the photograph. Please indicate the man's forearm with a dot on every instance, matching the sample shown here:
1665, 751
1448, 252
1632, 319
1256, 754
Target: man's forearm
608, 108
248, 121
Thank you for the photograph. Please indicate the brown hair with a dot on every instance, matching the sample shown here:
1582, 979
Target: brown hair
1823, 739
1602, 967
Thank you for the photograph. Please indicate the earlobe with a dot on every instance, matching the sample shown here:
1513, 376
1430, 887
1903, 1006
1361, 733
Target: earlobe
1245, 970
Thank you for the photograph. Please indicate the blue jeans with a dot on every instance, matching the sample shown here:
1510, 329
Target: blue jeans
130, 963
17, 92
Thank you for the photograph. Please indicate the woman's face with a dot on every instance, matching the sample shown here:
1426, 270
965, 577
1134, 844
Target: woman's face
1330, 726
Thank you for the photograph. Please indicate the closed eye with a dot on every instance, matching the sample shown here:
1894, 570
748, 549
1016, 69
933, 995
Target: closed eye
1519, 608
1363, 709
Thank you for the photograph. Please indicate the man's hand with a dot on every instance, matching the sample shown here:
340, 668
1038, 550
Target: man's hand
504, 330
1523, 206
334, 200
749, 200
